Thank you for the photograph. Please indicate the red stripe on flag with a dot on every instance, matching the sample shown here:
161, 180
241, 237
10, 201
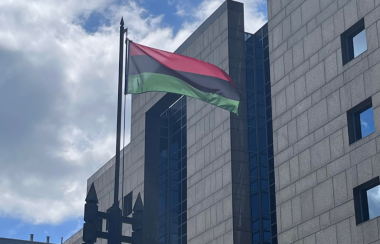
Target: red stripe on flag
180, 62
134, 50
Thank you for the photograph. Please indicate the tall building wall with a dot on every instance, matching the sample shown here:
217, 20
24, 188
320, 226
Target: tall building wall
218, 180
316, 167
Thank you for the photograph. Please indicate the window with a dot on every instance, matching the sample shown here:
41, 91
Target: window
172, 204
367, 200
127, 208
360, 121
373, 196
260, 139
353, 42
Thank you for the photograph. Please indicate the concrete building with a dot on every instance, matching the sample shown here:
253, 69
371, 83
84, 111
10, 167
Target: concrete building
209, 176
316, 90
17, 241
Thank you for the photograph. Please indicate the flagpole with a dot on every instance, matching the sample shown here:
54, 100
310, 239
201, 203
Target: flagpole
114, 217
125, 100
119, 105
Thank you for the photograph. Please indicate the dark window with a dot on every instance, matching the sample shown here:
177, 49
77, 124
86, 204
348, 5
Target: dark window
127, 208
260, 140
366, 200
173, 175
353, 41
360, 121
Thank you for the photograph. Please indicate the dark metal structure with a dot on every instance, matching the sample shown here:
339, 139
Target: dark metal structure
92, 228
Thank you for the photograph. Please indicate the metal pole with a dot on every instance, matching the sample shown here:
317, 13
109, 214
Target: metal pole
114, 212
119, 105
125, 100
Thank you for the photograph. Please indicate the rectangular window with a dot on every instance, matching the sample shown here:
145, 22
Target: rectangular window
373, 196
260, 139
360, 121
353, 42
367, 200
127, 208
173, 175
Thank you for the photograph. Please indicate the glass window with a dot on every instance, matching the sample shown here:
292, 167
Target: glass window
256, 236
251, 108
373, 195
254, 182
172, 178
360, 121
353, 42
367, 123
255, 205
249, 50
253, 171
249, 61
367, 200
252, 140
260, 115
255, 224
360, 43
251, 97
248, 38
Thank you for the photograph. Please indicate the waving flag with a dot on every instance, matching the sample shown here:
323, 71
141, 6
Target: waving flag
155, 70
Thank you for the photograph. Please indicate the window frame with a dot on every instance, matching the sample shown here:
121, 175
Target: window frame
361, 200
353, 120
347, 41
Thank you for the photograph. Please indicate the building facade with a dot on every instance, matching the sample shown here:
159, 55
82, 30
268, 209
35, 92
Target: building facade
295, 165
322, 80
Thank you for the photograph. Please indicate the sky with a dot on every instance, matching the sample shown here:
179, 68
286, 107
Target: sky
373, 196
367, 122
360, 43
58, 86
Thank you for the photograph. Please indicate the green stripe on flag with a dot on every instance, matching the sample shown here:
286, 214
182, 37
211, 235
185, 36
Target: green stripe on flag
149, 82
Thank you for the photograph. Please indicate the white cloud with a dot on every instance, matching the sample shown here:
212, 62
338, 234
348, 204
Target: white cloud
365, 124
58, 101
253, 18
374, 202
58, 96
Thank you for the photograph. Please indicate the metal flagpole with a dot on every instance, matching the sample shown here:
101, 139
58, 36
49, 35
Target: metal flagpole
125, 101
119, 105
92, 228
114, 229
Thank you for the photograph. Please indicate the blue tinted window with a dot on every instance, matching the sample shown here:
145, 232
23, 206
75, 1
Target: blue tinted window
172, 175
360, 43
374, 202
260, 139
367, 122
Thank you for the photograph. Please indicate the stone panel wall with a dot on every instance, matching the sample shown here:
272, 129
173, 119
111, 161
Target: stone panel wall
217, 205
316, 168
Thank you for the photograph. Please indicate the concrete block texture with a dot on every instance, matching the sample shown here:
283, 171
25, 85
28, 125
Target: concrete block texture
317, 167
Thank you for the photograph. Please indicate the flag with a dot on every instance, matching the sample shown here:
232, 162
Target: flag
151, 69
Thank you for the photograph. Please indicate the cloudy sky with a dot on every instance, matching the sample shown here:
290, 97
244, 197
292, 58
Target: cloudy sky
58, 85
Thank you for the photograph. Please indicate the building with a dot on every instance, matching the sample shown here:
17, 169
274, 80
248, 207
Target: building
297, 165
323, 81
17, 241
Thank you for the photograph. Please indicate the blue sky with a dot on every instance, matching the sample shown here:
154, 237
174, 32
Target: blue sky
59, 62
17, 229
367, 122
